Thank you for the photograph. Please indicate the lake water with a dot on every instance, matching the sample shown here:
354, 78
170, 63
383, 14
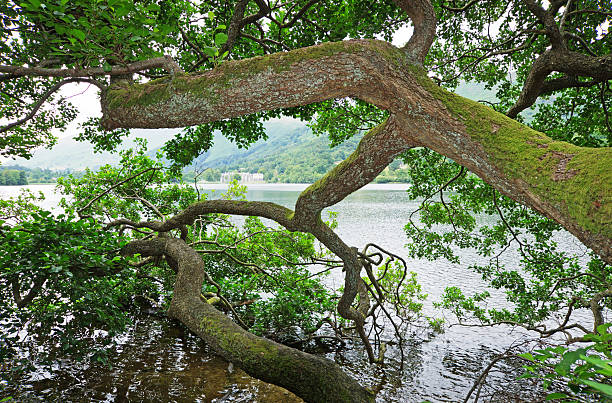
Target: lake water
160, 362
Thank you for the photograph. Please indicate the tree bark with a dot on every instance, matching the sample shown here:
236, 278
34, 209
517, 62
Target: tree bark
567, 183
313, 378
570, 184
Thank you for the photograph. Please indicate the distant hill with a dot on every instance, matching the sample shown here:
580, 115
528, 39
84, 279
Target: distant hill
291, 154
281, 133
69, 154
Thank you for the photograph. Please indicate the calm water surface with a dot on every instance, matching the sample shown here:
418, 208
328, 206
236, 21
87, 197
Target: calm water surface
160, 362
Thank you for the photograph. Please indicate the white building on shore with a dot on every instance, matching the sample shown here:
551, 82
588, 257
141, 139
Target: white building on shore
245, 177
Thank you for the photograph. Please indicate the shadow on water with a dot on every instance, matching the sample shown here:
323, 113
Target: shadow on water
156, 361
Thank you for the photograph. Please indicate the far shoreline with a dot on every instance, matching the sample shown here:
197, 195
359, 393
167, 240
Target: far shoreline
298, 186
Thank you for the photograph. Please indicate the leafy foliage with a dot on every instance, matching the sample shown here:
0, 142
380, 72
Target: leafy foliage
62, 283
481, 43
547, 280
65, 286
585, 371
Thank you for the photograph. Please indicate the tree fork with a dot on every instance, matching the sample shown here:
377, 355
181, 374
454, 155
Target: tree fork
569, 184
375, 151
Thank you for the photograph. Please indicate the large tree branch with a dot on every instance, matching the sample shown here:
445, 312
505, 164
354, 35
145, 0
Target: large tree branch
547, 18
375, 151
562, 83
568, 62
159, 62
423, 17
568, 184
235, 88
313, 378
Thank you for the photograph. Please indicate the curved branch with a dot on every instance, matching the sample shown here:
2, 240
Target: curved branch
562, 83
114, 186
423, 17
547, 18
39, 103
570, 63
375, 151
272, 211
566, 183
159, 62
313, 378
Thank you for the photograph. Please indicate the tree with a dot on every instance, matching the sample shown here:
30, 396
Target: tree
247, 61
13, 177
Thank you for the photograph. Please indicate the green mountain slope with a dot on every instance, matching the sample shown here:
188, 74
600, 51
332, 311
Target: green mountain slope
290, 154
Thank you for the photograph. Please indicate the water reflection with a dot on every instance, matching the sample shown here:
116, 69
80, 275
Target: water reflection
160, 362
157, 361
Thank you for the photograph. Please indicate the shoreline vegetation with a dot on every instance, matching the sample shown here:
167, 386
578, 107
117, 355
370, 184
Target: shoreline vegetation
16, 175
394, 173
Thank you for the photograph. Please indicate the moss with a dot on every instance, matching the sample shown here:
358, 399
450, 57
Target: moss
210, 84
318, 378
139, 94
336, 171
241, 346
584, 188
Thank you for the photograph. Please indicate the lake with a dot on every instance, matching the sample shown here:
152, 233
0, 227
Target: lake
160, 362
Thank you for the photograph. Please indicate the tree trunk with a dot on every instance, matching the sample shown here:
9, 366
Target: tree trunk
570, 184
313, 378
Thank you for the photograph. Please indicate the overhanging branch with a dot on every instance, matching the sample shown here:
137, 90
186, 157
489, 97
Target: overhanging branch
159, 62
39, 103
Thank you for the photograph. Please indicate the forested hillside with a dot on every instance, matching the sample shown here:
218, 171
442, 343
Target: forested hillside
19, 175
292, 154
11, 177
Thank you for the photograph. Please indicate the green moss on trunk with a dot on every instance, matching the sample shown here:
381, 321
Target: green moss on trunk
576, 180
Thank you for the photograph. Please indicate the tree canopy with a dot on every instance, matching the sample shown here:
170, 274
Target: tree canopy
229, 65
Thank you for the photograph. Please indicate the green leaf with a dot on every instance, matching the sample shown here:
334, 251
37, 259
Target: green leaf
527, 356
556, 395
122, 11
210, 51
107, 67
220, 38
78, 34
606, 369
603, 388
563, 367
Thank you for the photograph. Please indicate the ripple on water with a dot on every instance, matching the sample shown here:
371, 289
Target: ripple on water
160, 362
